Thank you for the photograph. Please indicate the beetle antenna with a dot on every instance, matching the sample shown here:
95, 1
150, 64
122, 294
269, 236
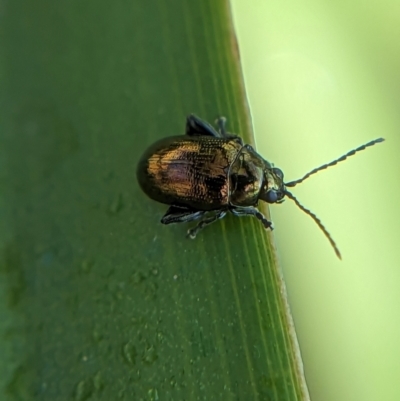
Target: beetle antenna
317, 220
334, 162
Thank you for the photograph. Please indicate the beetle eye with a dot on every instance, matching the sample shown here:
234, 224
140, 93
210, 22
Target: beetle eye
278, 172
271, 196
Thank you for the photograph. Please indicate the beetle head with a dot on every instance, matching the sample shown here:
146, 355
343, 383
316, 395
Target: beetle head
273, 190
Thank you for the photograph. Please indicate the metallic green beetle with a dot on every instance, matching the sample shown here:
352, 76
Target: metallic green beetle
207, 172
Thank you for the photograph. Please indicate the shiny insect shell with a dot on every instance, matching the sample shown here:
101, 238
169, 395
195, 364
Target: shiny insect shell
207, 172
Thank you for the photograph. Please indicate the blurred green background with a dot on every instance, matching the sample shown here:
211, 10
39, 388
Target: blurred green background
322, 78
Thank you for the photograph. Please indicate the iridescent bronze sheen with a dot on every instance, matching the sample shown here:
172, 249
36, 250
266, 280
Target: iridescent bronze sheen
208, 170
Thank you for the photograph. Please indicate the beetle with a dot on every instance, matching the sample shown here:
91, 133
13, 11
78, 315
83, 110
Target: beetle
208, 172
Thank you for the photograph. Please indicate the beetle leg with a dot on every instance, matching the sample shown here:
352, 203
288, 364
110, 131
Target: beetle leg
177, 214
192, 232
195, 126
221, 123
252, 211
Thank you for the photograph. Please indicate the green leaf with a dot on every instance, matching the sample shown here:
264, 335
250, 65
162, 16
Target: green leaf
99, 300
